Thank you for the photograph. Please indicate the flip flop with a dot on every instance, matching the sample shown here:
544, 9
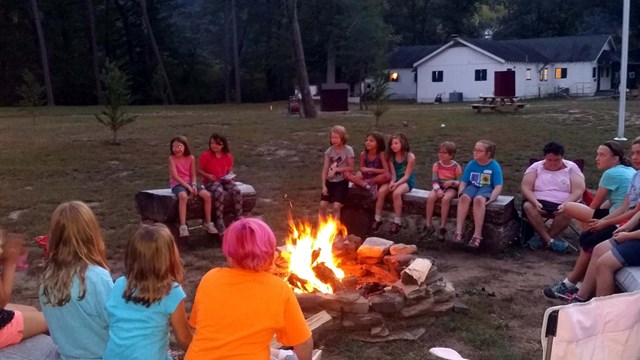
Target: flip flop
474, 242
457, 238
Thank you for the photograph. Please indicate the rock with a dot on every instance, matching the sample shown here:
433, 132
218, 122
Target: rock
310, 302
382, 275
380, 330
412, 334
369, 260
460, 307
416, 273
331, 302
350, 282
362, 321
418, 309
397, 263
353, 270
346, 247
374, 247
411, 292
444, 294
403, 249
387, 303
433, 276
348, 296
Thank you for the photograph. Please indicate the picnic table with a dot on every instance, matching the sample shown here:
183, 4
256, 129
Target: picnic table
500, 103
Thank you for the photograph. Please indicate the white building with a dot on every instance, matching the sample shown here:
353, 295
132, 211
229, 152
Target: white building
577, 65
402, 77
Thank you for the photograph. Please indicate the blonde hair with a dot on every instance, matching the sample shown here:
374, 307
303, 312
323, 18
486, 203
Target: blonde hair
152, 265
74, 243
340, 130
489, 147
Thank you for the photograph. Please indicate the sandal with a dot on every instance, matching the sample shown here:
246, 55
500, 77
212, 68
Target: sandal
457, 238
474, 242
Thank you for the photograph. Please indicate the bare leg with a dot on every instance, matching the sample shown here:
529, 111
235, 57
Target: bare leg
463, 210
34, 322
580, 268
479, 209
206, 197
560, 223
580, 212
397, 199
382, 179
182, 207
322, 212
588, 287
449, 194
356, 179
431, 204
382, 194
607, 266
537, 222
336, 211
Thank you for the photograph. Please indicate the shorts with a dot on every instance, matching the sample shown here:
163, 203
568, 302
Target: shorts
473, 191
548, 206
628, 252
179, 188
588, 240
600, 213
12, 333
337, 191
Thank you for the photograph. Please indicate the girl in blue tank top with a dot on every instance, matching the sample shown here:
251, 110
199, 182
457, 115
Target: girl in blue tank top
401, 162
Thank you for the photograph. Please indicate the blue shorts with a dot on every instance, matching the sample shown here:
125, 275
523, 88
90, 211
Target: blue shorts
627, 253
473, 191
179, 188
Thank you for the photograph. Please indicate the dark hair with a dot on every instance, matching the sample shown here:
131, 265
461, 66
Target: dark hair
489, 147
449, 147
553, 148
217, 138
617, 150
379, 138
404, 142
636, 141
182, 140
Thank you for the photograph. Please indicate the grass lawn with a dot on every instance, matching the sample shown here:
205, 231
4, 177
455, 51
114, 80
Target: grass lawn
65, 155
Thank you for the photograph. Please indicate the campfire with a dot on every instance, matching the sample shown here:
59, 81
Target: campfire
370, 285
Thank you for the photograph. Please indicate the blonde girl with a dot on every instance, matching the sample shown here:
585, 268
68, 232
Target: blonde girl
76, 282
401, 163
147, 299
182, 179
374, 168
445, 180
338, 163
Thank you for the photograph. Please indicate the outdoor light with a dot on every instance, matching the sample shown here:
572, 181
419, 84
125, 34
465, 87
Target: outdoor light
393, 77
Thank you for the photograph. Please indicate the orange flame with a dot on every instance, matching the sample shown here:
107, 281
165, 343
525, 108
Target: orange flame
307, 247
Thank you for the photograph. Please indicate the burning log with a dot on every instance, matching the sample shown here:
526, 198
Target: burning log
326, 275
297, 282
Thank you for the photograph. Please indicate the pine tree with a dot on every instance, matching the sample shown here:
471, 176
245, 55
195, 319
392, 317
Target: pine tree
31, 93
118, 95
380, 94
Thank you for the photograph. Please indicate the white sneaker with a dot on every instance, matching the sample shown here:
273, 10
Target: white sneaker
184, 231
211, 229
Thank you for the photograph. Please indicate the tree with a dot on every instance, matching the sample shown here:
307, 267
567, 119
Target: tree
236, 60
156, 50
31, 93
43, 53
117, 97
94, 49
291, 11
380, 94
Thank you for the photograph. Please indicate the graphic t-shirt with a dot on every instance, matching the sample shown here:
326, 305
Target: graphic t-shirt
483, 175
339, 158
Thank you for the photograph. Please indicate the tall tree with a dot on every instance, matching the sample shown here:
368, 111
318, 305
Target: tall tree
156, 50
94, 49
43, 53
291, 12
236, 60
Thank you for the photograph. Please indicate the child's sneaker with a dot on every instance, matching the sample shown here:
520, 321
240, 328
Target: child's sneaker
559, 291
395, 228
559, 246
211, 229
428, 230
376, 226
373, 191
184, 231
442, 233
221, 228
536, 243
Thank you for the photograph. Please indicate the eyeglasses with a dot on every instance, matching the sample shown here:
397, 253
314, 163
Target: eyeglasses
479, 150
443, 152
177, 147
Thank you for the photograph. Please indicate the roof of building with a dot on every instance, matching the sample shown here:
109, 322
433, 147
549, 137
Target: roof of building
541, 50
404, 57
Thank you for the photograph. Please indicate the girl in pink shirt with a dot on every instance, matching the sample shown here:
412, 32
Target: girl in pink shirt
182, 178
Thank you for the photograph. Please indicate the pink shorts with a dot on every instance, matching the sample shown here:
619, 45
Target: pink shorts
12, 333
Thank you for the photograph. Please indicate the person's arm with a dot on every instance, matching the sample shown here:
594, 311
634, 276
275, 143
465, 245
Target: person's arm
363, 169
349, 168
496, 179
411, 161
201, 166
435, 180
526, 188
13, 248
599, 198
304, 350
325, 170
494, 194
174, 174
194, 183
392, 170
622, 236
385, 164
180, 326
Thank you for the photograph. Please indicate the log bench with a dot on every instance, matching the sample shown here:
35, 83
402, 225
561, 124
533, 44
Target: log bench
628, 279
161, 205
501, 224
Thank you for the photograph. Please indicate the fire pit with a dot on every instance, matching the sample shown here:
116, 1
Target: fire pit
372, 285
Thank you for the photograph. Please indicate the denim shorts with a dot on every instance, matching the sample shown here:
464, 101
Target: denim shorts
473, 191
627, 252
179, 188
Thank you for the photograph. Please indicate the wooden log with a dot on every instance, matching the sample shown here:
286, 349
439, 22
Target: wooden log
327, 276
416, 273
314, 322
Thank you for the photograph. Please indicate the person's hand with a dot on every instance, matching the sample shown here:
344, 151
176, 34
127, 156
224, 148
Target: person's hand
539, 208
449, 183
392, 185
194, 190
595, 225
622, 228
439, 193
489, 201
622, 236
325, 191
13, 248
560, 208
211, 177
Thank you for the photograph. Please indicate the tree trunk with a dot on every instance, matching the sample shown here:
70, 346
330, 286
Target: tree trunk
227, 54
43, 53
236, 60
298, 53
94, 50
126, 26
156, 51
331, 62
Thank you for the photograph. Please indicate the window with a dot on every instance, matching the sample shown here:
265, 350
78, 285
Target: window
527, 74
593, 72
437, 76
544, 74
481, 74
561, 73
393, 77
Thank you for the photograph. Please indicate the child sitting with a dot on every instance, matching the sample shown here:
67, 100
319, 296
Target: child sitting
445, 179
374, 169
482, 184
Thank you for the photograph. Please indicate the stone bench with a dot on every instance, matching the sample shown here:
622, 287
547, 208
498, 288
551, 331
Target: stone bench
501, 224
628, 278
161, 205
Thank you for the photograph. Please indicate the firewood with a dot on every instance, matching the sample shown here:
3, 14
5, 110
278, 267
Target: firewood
327, 276
416, 273
297, 282
314, 323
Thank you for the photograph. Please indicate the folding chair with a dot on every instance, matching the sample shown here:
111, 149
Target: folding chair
527, 231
